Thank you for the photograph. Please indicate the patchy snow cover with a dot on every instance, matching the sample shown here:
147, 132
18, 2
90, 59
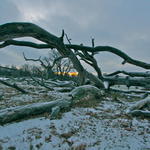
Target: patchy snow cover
104, 127
3, 78
84, 128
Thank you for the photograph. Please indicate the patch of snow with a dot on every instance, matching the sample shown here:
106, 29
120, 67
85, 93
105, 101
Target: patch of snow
99, 128
3, 78
77, 128
23, 97
106, 84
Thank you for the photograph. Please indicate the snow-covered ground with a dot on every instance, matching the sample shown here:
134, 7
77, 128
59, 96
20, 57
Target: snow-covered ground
103, 127
81, 128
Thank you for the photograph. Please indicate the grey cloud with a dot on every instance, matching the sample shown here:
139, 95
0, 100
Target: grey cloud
122, 24
9, 12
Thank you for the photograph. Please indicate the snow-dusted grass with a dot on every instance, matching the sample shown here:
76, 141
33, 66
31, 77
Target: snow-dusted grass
101, 127
83, 128
11, 98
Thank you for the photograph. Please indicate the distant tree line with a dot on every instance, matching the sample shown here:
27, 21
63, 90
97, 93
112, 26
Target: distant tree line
32, 70
15, 71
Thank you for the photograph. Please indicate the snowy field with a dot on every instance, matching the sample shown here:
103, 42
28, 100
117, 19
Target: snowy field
101, 127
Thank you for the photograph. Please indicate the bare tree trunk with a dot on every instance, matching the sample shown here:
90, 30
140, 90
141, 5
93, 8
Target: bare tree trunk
20, 112
135, 109
128, 81
54, 107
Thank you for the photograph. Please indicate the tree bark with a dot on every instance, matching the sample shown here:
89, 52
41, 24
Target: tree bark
21, 112
96, 49
140, 113
16, 30
15, 86
132, 74
89, 59
79, 94
128, 81
140, 104
135, 109
113, 50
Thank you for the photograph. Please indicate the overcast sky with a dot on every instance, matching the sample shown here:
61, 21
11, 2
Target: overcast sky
124, 24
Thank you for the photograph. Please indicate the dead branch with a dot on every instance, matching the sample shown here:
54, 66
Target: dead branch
48, 63
96, 49
20, 112
89, 59
15, 86
135, 109
132, 74
61, 83
128, 81
129, 91
140, 104
13, 69
10, 31
68, 39
41, 83
113, 50
36, 60
54, 107
25, 43
141, 113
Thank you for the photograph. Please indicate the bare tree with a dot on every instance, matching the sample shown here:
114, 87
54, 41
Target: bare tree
53, 64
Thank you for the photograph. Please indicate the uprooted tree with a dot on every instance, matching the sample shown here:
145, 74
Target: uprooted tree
75, 53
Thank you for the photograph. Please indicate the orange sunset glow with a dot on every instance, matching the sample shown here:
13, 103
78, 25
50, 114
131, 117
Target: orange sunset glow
72, 74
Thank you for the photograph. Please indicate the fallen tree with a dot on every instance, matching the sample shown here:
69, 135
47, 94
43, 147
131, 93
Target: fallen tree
128, 81
21, 112
132, 74
15, 86
125, 57
137, 108
15, 30
10, 31
83, 93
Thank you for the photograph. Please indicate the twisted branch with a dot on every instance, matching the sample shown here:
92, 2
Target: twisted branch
124, 56
10, 31
132, 74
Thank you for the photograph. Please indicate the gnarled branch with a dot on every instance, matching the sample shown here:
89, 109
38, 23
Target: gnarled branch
10, 31
15, 86
89, 59
128, 81
132, 74
112, 50
96, 49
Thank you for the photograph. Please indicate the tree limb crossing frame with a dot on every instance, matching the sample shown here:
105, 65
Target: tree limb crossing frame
9, 31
